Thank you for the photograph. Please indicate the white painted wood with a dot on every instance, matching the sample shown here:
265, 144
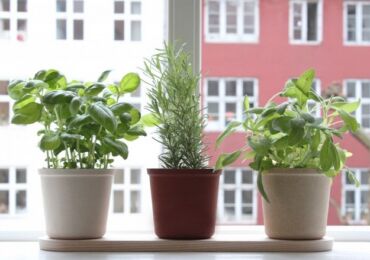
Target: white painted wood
220, 243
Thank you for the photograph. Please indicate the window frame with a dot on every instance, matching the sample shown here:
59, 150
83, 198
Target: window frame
240, 36
320, 18
70, 17
128, 18
14, 16
358, 96
222, 99
358, 30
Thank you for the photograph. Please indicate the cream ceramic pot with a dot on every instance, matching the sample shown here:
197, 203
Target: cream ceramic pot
299, 201
76, 202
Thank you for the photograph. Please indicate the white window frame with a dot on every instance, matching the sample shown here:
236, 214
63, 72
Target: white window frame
357, 195
358, 41
358, 88
304, 40
6, 99
127, 17
238, 187
12, 187
222, 99
70, 17
13, 15
240, 36
127, 187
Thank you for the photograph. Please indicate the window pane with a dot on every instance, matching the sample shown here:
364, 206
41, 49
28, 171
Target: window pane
61, 6
231, 17
119, 177
312, 21
248, 89
21, 175
351, 89
230, 112
4, 175
118, 201
135, 8
119, 30
229, 176
135, 202
78, 6
365, 122
21, 6
21, 201
61, 29
364, 197
229, 196
212, 88
365, 177
78, 29
4, 87
213, 114
119, 7
350, 197
247, 177
247, 210
365, 109
247, 196
213, 17
4, 113
230, 212
135, 31
4, 28
21, 29
135, 176
4, 5
4, 201
365, 89
231, 88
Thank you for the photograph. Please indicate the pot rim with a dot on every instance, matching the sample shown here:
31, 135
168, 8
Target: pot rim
76, 172
295, 171
183, 172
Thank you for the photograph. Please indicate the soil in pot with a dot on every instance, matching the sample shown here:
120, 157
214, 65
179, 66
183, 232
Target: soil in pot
299, 201
184, 202
76, 202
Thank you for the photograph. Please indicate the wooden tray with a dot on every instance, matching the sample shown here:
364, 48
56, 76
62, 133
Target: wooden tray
219, 243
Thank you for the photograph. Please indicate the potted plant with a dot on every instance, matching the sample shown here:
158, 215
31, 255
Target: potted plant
184, 192
83, 127
296, 156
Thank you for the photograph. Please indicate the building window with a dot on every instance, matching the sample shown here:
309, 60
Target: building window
4, 103
70, 19
127, 20
238, 196
127, 191
224, 100
232, 20
305, 21
13, 19
357, 22
356, 200
13, 191
360, 89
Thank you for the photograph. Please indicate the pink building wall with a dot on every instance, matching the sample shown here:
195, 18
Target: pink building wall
273, 60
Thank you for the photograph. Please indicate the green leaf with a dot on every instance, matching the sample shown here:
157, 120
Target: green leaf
121, 108
15, 89
348, 107
336, 157
352, 178
75, 104
28, 114
305, 81
66, 137
226, 159
282, 124
125, 118
246, 103
50, 141
104, 76
149, 120
58, 97
231, 128
261, 188
25, 100
316, 138
260, 145
349, 120
129, 83
308, 118
117, 147
103, 116
80, 120
136, 130
94, 89
296, 135
326, 159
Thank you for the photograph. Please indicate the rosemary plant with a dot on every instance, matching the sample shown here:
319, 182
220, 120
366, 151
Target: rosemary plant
175, 104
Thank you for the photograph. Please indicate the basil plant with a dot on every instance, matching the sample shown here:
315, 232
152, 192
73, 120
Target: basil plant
85, 124
290, 135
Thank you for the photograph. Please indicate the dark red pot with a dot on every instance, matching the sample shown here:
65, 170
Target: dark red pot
184, 202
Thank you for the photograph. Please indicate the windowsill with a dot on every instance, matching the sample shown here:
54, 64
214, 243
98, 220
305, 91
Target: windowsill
298, 43
339, 233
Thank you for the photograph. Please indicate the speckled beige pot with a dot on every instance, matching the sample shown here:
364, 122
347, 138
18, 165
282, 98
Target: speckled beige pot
76, 202
299, 201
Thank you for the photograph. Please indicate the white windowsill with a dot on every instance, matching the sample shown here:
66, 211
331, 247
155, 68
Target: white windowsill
339, 233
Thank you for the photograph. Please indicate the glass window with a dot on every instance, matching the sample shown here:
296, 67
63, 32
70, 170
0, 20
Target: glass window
78, 6
119, 7
119, 30
135, 202
360, 90
4, 113
357, 21
4, 175
22, 6
4, 5
213, 16
78, 29
21, 175
61, 29
229, 176
230, 88
118, 201
119, 177
21, 201
4, 87
135, 30
247, 177
4, 201
135, 176
61, 6
213, 111
213, 88
4, 28
135, 8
